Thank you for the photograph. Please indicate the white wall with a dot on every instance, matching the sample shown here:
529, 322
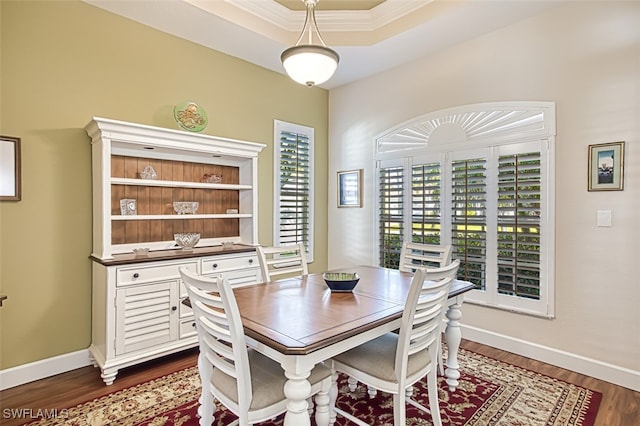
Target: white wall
585, 56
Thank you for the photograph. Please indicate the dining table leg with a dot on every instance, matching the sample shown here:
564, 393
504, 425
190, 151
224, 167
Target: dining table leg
297, 389
453, 337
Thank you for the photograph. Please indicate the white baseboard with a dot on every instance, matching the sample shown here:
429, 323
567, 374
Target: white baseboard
617, 375
591, 367
26, 373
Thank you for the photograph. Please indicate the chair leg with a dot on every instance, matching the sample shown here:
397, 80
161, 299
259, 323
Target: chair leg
206, 409
333, 395
440, 357
372, 392
399, 409
434, 405
323, 401
408, 393
353, 384
207, 402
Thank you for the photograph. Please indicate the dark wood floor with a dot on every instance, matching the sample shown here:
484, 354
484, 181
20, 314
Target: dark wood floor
619, 406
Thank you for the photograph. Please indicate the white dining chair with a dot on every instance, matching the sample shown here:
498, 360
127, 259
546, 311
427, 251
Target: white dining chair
276, 262
429, 256
413, 255
248, 383
395, 361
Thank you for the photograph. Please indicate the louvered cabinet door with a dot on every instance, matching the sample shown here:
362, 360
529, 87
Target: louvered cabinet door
146, 316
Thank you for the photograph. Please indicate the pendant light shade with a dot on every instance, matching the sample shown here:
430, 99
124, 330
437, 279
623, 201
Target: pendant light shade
310, 64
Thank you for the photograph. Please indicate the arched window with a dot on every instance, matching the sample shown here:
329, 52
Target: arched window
478, 177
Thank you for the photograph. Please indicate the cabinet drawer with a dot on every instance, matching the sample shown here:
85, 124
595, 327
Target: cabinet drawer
188, 328
145, 274
223, 264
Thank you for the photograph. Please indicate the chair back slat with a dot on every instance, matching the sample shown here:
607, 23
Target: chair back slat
423, 314
276, 262
414, 255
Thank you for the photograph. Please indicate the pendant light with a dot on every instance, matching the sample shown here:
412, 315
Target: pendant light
310, 63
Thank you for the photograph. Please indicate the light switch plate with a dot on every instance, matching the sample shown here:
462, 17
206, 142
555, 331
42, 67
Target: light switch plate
603, 218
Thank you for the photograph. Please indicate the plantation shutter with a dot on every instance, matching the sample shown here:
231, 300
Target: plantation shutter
469, 218
391, 214
425, 203
481, 178
294, 187
519, 215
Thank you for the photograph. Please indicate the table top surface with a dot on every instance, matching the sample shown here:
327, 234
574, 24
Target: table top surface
299, 315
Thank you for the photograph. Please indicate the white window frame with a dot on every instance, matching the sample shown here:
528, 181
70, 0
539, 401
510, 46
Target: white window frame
280, 127
482, 130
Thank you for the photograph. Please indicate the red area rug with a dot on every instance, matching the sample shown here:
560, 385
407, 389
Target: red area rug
490, 393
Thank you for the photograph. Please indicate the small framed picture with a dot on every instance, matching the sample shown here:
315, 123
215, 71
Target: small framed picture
606, 167
10, 163
350, 188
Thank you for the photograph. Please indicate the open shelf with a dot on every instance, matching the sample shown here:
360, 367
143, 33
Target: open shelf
176, 184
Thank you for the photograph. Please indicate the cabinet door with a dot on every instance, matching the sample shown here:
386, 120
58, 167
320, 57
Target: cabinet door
242, 269
146, 316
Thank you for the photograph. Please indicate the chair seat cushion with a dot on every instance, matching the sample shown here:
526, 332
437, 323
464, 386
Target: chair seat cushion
376, 358
267, 381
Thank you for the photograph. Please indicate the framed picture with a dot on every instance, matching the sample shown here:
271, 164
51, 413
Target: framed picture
350, 188
606, 166
10, 185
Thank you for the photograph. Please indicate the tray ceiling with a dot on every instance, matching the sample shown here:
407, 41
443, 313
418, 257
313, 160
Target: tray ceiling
370, 35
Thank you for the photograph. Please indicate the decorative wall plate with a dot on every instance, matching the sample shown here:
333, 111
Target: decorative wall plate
190, 116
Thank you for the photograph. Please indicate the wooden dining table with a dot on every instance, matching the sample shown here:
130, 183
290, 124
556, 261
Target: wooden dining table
299, 323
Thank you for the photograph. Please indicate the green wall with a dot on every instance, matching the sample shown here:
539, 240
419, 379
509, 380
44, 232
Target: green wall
63, 62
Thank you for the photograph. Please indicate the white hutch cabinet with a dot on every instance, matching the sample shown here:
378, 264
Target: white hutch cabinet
137, 309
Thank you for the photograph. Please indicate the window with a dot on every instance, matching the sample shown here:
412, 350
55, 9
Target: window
293, 173
518, 228
489, 196
391, 202
425, 203
469, 218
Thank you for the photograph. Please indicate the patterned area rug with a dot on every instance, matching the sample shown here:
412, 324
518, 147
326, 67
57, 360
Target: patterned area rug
490, 393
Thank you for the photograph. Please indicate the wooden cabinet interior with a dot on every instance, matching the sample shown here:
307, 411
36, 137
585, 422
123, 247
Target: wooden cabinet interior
158, 200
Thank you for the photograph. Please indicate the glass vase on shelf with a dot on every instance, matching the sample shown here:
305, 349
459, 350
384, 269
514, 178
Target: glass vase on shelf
148, 173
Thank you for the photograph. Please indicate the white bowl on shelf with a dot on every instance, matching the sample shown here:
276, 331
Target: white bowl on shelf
186, 240
186, 207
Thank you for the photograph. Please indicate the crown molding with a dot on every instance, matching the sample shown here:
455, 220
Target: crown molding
242, 12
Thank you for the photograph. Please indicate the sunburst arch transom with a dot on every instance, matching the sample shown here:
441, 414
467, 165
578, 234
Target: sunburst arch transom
479, 124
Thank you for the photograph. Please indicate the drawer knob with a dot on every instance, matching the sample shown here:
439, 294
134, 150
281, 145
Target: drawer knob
174, 308
250, 260
215, 265
136, 275
193, 324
